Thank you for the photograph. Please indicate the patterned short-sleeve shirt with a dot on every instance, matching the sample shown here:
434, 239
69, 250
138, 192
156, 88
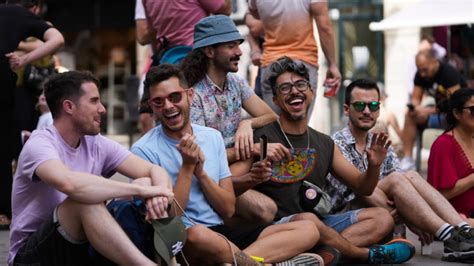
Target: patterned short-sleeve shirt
340, 194
220, 108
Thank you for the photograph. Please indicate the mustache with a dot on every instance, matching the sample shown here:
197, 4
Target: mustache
298, 95
367, 116
235, 58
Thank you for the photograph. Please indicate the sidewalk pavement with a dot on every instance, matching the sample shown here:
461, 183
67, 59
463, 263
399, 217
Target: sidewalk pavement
433, 260
4, 245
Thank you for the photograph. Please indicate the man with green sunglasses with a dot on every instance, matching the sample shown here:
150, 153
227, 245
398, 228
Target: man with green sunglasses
408, 197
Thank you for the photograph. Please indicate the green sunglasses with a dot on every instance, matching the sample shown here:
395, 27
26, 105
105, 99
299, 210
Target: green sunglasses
360, 106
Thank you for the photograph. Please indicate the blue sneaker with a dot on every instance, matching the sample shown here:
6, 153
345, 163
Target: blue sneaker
394, 252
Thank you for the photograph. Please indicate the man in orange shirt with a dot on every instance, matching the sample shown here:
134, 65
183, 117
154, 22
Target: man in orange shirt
280, 20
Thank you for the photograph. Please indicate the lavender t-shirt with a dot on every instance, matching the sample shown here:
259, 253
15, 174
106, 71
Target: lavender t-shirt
33, 201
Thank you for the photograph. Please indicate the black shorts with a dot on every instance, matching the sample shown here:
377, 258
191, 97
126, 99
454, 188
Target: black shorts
47, 246
242, 237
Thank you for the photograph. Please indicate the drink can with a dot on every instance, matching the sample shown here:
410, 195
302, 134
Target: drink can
329, 91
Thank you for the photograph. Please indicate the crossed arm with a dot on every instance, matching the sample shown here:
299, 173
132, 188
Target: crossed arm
53, 40
92, 189
461, 186
262, 115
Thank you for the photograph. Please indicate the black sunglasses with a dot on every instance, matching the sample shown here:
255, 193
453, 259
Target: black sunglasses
360, 106
174, 97
471, 109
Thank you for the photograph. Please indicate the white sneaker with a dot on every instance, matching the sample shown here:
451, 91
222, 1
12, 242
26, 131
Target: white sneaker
303, 259
407, 164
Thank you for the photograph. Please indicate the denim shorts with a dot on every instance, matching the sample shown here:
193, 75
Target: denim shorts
338, 222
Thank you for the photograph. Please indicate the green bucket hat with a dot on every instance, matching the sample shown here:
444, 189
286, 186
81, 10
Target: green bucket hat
169, 237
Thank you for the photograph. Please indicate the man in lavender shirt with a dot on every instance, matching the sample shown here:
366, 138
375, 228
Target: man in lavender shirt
59, 188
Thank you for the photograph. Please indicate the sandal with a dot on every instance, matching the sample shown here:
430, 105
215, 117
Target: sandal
4, 222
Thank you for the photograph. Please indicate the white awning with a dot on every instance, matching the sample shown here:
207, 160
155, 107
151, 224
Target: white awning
429, 13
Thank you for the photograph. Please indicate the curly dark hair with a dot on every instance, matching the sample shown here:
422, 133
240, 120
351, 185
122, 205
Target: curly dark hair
456, 103
286, 64
67, 85
163, 72
194, 66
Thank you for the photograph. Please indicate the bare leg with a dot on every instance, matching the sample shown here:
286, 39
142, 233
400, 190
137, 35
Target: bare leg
253, 207
94, 223
411, 206
206, 247
373, 224
438, 202
275, 243
329, 236
470, 221
283, 241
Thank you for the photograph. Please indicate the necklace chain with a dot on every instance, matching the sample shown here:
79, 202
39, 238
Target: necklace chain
286, 137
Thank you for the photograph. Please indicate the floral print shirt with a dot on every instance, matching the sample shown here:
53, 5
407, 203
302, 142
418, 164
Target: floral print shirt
340, 194
220, 108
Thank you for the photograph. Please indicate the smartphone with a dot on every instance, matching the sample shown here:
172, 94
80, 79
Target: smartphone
263, 147
411, 107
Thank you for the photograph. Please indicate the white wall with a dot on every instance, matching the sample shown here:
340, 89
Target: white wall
401, 47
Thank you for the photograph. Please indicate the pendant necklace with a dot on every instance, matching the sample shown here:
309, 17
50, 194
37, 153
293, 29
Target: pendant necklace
293, 170
286, 137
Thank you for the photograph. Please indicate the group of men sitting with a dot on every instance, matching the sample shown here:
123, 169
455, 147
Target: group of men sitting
269, 214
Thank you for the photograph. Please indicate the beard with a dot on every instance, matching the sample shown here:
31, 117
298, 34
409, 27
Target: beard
227, 64
87, 128
176, 127
294, 116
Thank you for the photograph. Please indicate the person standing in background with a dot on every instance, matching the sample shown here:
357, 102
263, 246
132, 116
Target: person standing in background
255, 39
145, 119
280, 18
18, 20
